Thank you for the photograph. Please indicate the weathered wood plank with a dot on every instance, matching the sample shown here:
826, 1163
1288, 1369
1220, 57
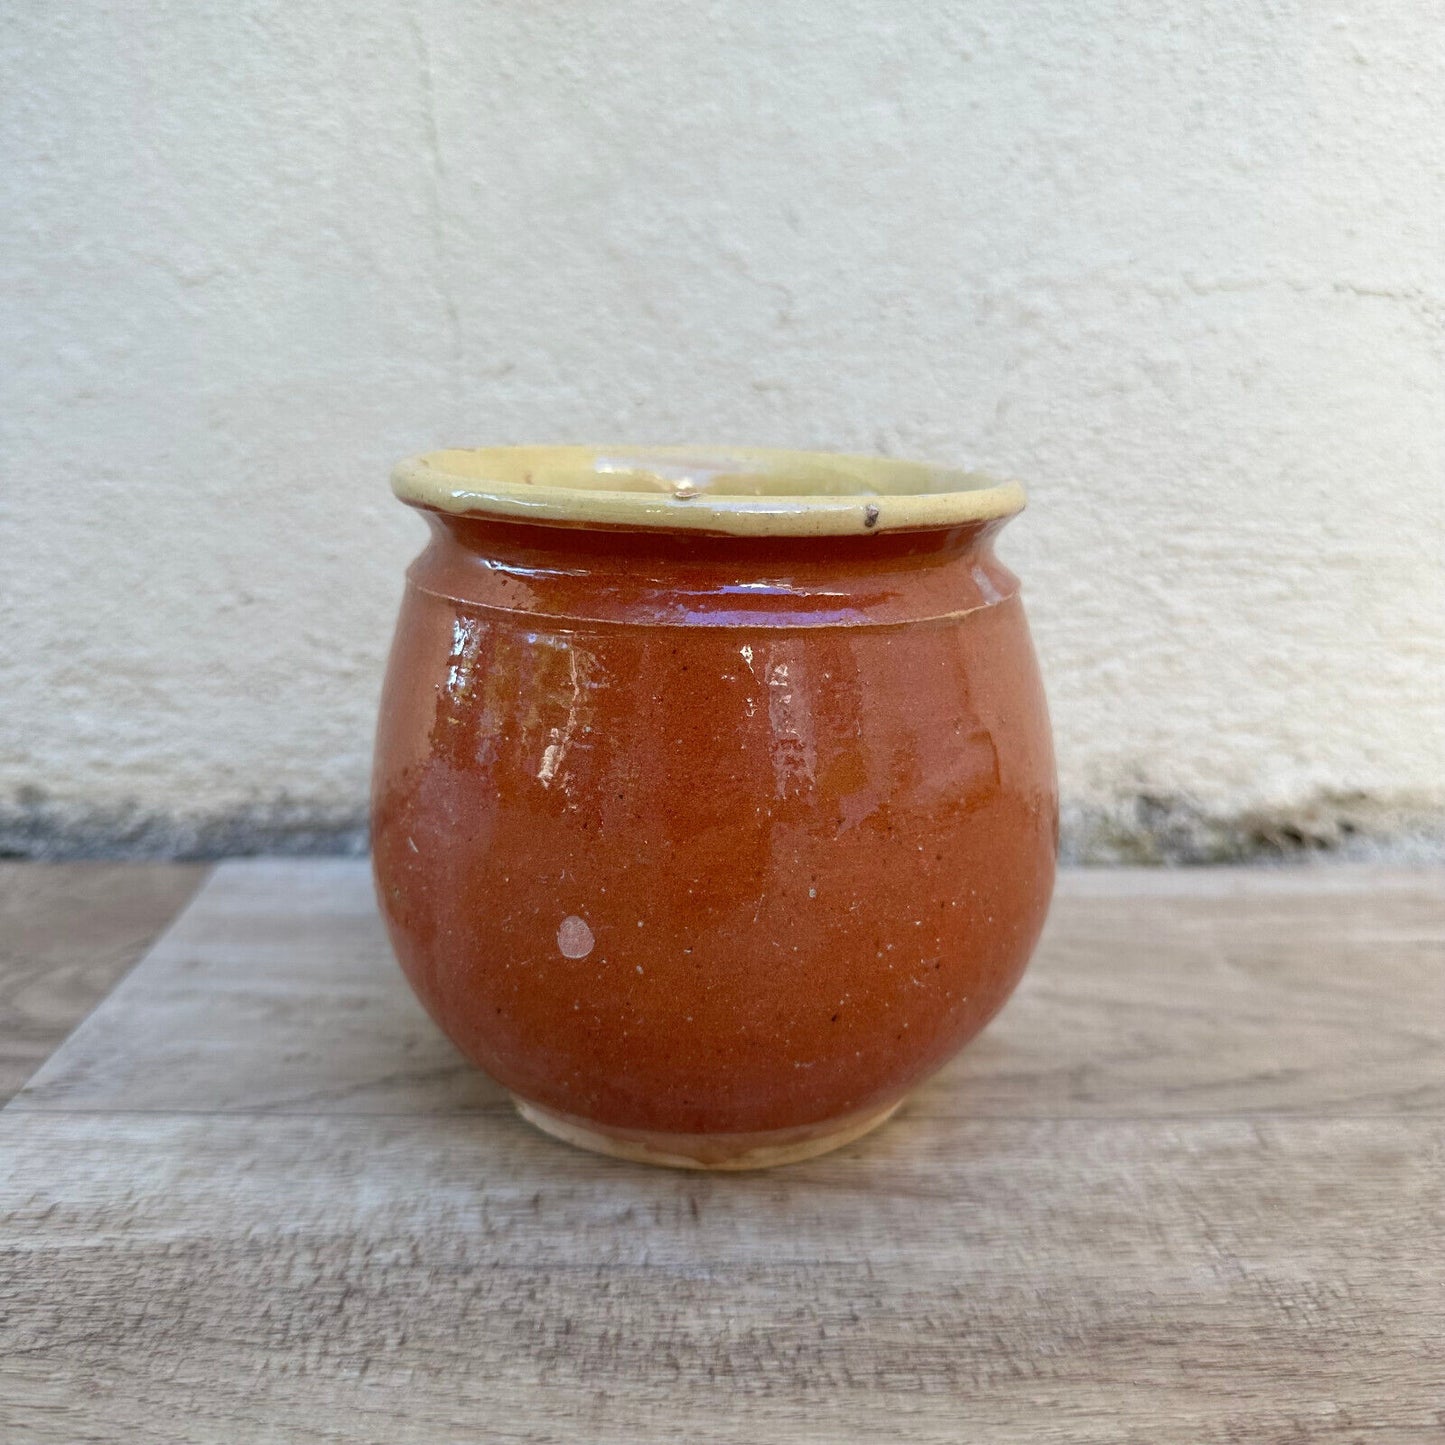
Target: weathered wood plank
330, 1279
1259, 993
1190, 1187
277, 991
68, 931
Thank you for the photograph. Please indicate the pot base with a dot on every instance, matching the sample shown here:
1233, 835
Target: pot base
763, 1150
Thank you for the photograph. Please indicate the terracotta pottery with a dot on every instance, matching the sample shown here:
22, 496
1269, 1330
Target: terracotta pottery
714, 802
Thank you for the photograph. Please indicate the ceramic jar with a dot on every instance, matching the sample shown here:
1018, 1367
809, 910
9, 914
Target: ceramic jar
714, 803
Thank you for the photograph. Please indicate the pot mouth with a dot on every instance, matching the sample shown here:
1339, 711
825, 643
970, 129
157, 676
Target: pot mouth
741, 491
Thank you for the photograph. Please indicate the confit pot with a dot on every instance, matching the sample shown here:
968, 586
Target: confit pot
714, 802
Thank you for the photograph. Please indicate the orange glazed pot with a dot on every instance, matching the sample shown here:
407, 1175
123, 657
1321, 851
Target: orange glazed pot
714, 804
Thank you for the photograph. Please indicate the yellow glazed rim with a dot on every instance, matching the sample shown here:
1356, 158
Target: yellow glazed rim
741, 491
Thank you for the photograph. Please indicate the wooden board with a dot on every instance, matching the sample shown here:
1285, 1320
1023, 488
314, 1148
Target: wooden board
68, 931
1188, 1187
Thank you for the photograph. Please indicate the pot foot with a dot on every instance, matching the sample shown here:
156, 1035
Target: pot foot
762, 1150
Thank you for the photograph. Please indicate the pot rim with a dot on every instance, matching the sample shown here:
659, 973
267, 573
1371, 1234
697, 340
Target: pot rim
739, 491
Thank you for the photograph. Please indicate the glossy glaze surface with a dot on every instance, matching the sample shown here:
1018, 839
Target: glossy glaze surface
686, 835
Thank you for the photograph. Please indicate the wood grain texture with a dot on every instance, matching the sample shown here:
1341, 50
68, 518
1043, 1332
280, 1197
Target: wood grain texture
1152, 995
68, 931
1189, 1187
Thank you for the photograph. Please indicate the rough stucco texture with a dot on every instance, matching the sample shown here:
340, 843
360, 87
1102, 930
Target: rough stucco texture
1181, 268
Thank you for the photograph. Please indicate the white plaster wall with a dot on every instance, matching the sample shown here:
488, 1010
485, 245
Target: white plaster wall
1180, 267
